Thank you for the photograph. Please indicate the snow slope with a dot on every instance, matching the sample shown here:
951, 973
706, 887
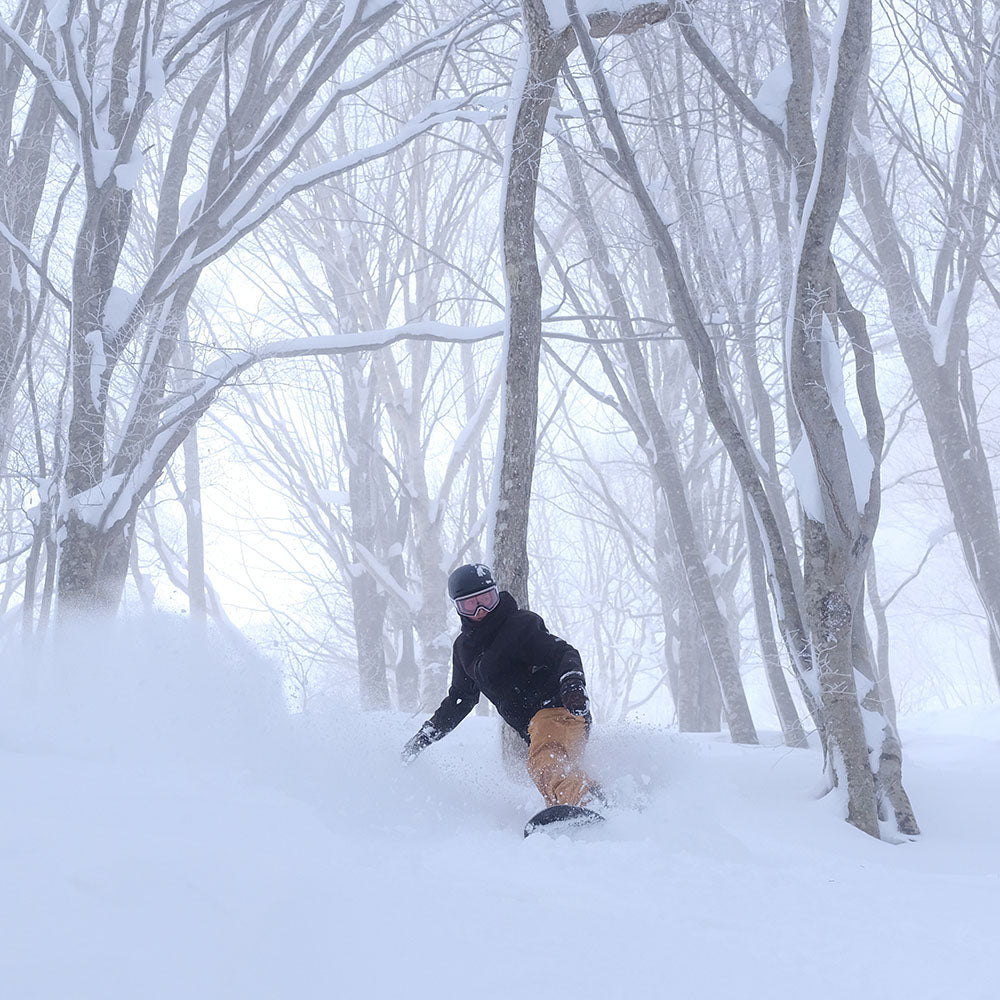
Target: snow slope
179, 838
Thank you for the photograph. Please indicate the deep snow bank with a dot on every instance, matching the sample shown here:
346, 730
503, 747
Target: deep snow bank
177, 836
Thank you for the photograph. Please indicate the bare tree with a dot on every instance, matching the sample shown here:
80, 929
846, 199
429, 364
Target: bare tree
931, 316
109, 70
804, 633
649, 425
348, 256
838, 473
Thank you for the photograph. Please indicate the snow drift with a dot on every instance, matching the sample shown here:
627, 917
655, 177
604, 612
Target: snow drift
170, 832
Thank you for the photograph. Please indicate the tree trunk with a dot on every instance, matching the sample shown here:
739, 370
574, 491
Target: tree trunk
194, 523
407, 674
889, 788
840, 492
92, 571
717, 399
543, 53
544, 50
667, 576
698, 697
943, 388
93, 561
369, 601
669, 477
881, 655
24, 166
369, 608
788, 718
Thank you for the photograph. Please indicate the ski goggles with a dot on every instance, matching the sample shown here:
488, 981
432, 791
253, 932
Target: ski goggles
468, 606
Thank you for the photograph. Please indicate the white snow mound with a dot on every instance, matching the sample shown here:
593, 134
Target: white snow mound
169, 833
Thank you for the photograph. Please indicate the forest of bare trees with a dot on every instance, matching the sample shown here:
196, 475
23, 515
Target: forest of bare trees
677, 313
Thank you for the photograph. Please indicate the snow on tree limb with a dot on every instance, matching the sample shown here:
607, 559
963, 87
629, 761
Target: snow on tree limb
62, 94
809, 363
456, 111
224, 16
238, 208
117, 497
610, 17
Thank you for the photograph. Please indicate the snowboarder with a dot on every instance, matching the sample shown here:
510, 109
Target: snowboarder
534, 678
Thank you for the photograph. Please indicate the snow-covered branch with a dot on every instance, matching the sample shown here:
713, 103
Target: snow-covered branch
247, 200
456, 110
213, 23
118, 497
18, 247
63, 96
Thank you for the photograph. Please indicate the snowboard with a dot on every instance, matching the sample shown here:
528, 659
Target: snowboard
561, 819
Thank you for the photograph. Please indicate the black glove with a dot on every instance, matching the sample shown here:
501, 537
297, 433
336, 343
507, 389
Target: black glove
424, 737
575, 701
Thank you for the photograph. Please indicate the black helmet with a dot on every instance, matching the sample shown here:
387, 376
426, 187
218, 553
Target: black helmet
472, 578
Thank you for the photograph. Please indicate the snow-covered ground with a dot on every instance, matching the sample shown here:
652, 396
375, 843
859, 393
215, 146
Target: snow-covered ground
177, 837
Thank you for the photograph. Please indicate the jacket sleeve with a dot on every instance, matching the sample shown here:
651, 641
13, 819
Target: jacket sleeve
544, 647
458, 702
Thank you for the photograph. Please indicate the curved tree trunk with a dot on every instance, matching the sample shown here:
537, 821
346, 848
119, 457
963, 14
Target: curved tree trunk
717, 399
669, 477
839, 472
544, 52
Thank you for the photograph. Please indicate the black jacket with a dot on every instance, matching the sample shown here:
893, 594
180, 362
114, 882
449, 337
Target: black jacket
515, 661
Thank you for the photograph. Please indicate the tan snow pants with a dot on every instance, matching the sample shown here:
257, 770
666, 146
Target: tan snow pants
557, 742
